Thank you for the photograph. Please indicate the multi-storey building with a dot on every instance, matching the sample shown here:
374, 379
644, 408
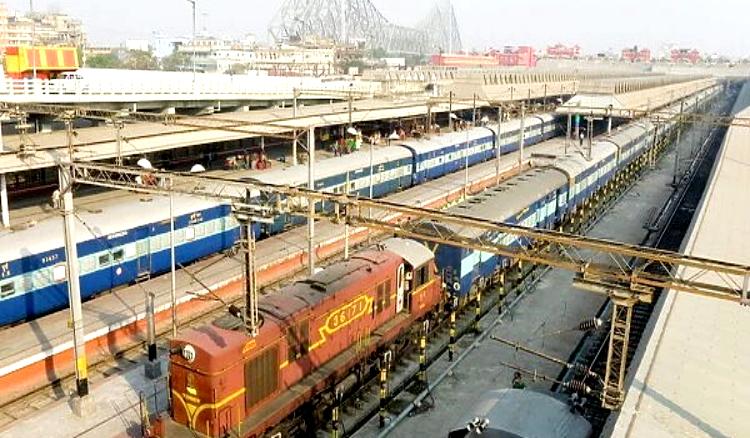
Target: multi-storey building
43, 29
634, 54
560, 51
509, 56
287, 60
521, 56
691, 56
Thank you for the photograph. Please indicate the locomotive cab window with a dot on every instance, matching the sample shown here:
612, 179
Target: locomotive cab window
421, 276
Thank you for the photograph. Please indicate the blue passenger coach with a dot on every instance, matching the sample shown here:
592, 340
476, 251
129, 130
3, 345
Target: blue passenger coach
116, 246
540, 198
529, 200
129, 240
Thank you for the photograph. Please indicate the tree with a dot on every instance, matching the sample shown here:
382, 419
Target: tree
378, 53
343, 66
140, 60
108, 60
237, 69
177, 61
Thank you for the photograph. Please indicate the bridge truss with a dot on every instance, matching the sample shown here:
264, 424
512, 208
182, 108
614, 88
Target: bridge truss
350, 21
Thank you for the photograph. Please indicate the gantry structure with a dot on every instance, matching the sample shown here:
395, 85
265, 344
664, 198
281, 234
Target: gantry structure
628, 274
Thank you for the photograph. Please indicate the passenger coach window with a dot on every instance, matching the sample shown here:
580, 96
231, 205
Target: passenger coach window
7, 290
104, 260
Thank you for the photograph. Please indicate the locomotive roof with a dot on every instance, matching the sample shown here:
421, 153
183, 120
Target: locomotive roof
215, 347
415, 253
311, 291
508, 199
47, 234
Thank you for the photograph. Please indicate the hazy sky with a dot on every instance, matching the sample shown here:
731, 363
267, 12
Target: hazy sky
711, 26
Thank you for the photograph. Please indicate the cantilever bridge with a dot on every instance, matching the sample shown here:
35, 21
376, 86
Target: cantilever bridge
349, 21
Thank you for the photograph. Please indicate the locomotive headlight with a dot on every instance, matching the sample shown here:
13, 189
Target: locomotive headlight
188, 353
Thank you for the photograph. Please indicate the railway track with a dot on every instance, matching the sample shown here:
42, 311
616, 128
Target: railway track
135, 356
127, 360
408, 401
405, 393
123, 361
675, 218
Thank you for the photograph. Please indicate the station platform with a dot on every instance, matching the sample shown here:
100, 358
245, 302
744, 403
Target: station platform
100, 142
689, 375
36, 353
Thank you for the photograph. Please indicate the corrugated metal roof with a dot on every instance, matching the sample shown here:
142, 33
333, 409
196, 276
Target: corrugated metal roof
99, 143
651, 98
508, 199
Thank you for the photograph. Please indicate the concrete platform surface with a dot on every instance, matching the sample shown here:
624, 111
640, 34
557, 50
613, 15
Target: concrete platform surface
111, 409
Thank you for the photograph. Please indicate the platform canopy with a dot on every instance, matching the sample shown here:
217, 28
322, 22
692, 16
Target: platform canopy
633, 103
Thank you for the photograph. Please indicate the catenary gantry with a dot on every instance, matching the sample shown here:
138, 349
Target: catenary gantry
633, 275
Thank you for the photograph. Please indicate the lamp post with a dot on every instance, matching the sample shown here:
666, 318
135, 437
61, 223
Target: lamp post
192, 2
310, 202
33, 40
466, 166
499, 144
295, 94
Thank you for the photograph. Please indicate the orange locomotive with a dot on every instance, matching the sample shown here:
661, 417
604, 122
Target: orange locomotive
314, 333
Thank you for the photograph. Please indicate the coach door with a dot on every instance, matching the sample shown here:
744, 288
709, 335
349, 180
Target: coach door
400, 288
143, 257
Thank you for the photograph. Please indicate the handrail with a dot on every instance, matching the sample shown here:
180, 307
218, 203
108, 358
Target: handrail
244, 87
